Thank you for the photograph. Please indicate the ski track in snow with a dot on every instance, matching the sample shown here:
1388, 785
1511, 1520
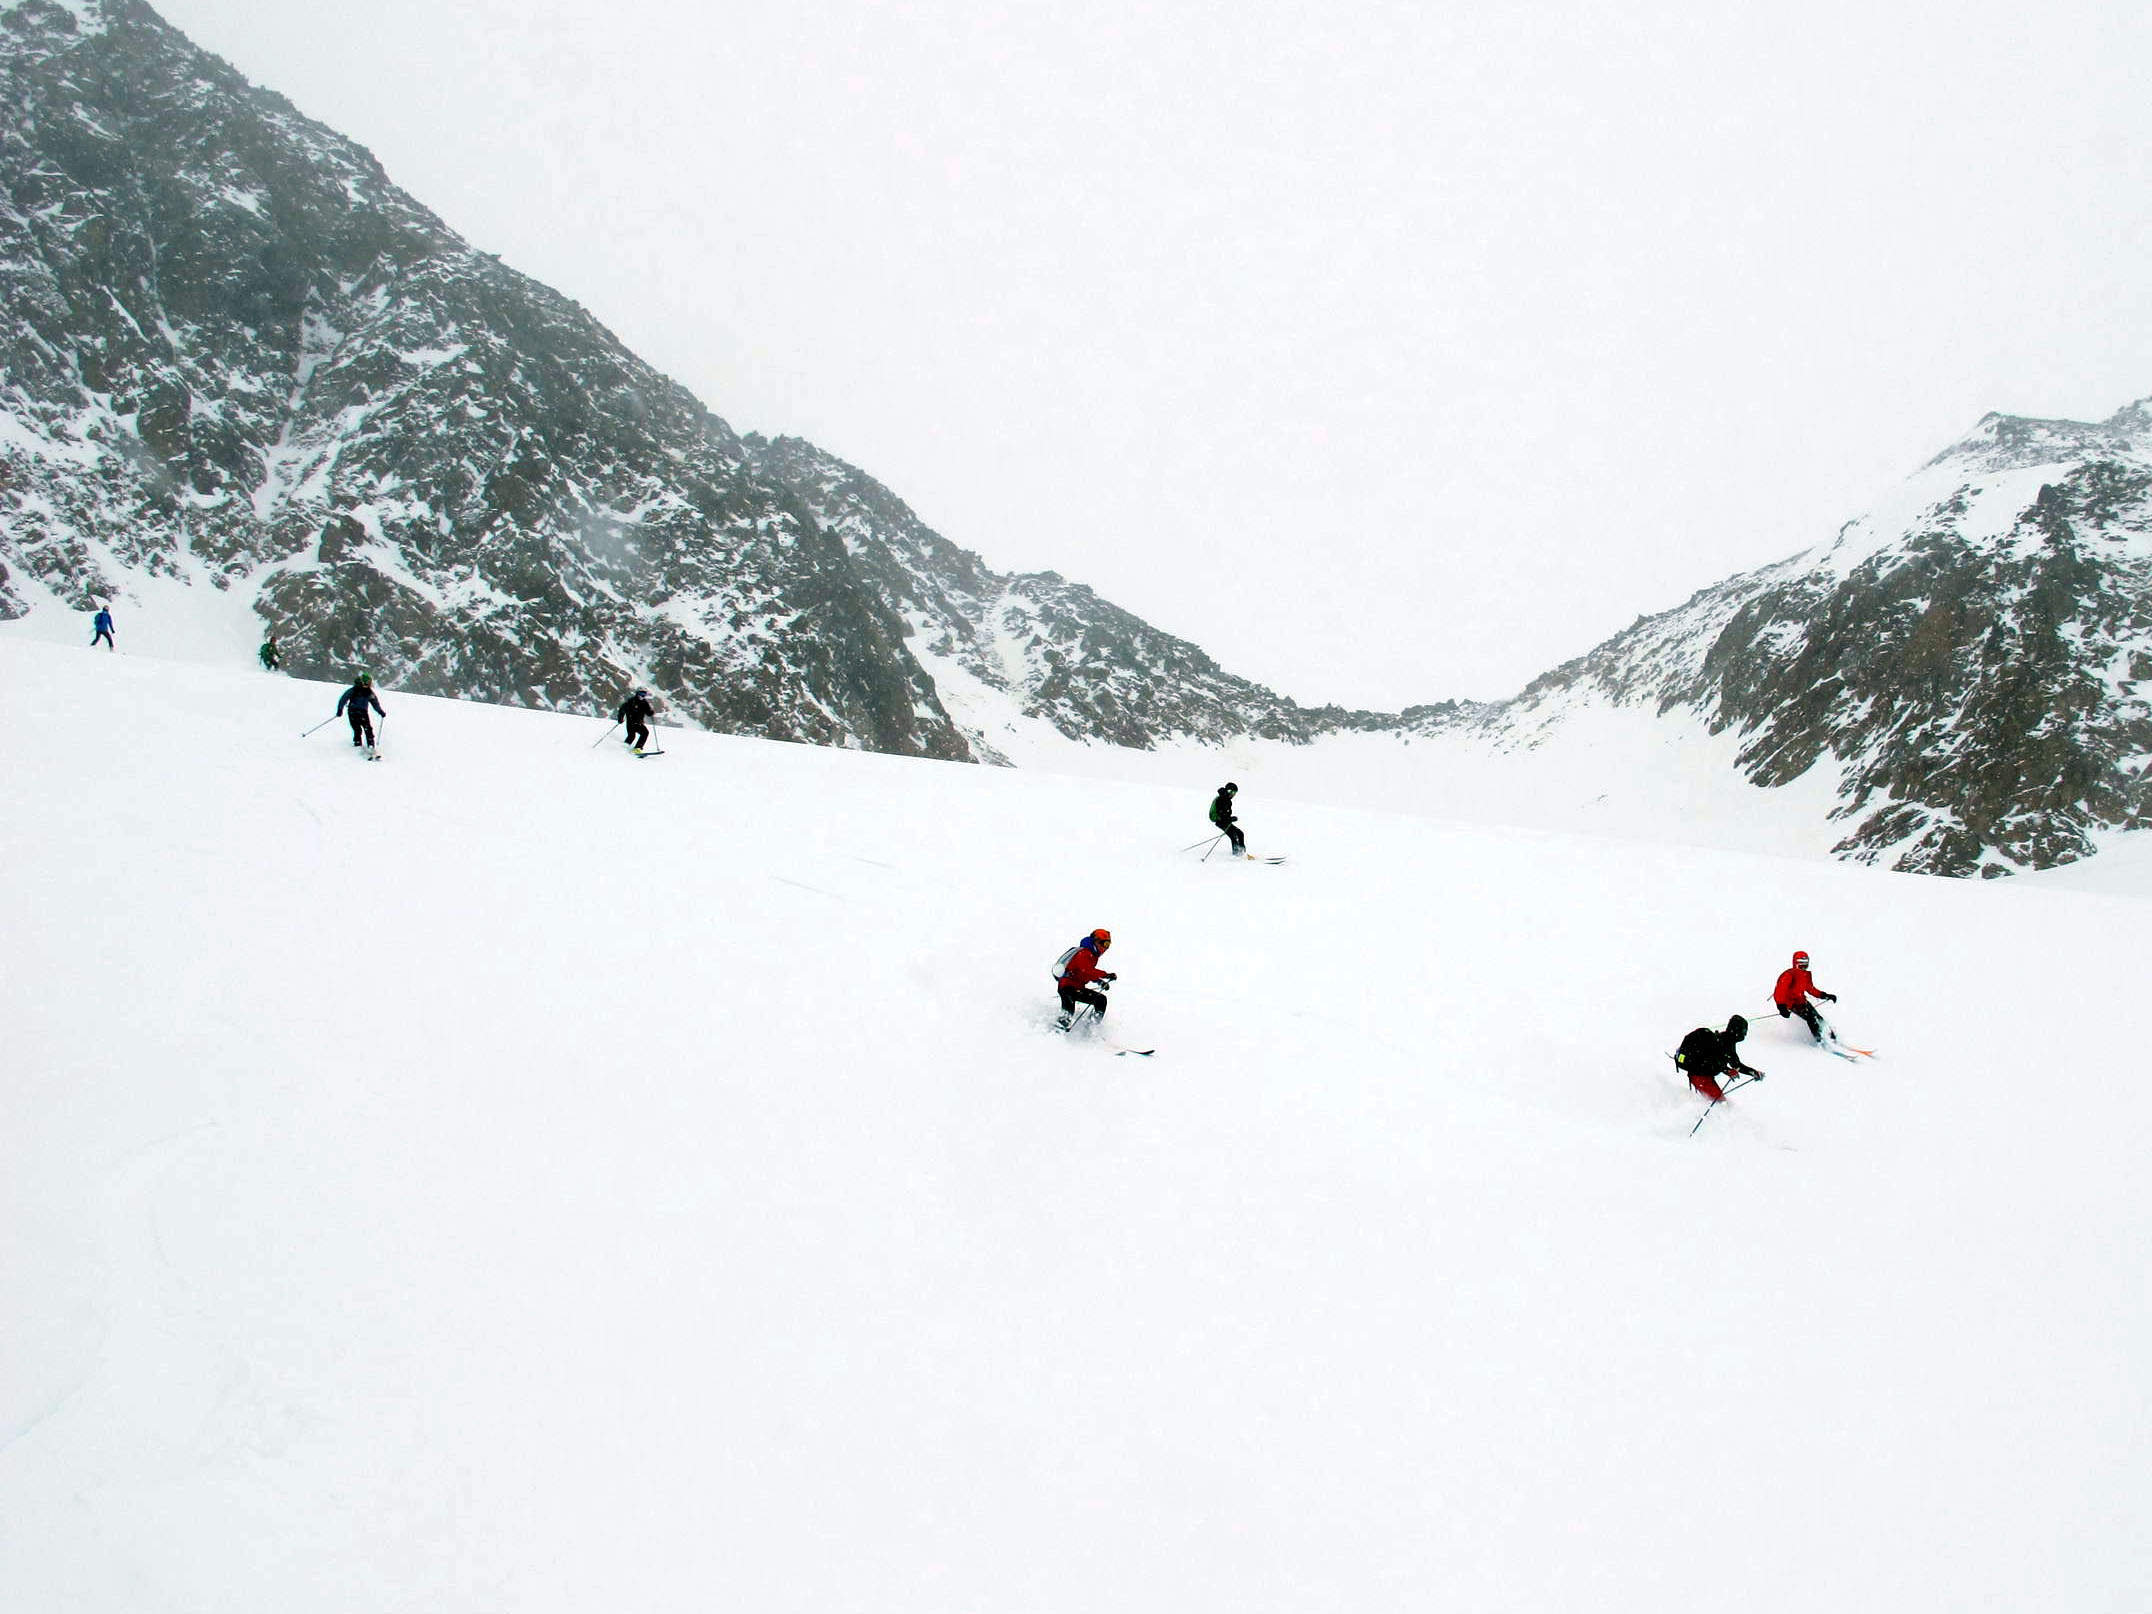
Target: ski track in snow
488, 1187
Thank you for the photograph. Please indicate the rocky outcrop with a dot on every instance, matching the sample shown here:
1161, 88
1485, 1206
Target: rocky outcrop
1974, 655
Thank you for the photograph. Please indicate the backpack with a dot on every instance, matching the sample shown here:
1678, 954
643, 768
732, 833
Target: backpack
1702, 1045
1061, 964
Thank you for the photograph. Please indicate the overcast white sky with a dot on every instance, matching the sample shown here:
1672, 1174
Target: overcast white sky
1390, 352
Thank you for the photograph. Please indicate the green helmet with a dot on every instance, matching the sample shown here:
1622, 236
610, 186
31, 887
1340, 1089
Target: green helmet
367, 679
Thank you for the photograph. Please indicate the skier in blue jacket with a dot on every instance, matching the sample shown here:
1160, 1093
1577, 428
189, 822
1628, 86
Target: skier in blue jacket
357, 698
101, 628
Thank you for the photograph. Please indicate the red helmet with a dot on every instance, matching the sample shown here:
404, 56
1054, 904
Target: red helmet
1800, 961
1103, 937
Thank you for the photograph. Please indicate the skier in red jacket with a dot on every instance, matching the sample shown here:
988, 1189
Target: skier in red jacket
1076, 972
1795, 987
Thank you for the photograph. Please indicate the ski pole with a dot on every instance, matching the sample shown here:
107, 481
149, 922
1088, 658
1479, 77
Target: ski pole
1730, 1089
318, 727
601, 739
1211, 842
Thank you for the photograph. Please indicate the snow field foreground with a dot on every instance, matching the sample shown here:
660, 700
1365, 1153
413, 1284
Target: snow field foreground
514, 1176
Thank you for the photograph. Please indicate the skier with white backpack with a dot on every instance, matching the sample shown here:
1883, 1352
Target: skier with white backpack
1079, 980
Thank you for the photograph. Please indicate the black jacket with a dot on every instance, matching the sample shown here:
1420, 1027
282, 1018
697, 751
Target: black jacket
635, 709
360, 696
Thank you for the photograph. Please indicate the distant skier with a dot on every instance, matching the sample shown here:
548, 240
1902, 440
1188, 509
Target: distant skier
636, 712
1706, 1055
101, 628
1221, 814
1795, 987
270, 659
1075, 973
353, 704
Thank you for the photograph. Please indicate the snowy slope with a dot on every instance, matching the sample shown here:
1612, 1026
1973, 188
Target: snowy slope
514, 1176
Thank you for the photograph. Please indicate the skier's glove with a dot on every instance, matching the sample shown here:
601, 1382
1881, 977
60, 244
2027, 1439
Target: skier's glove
1784, 1013
1753, 1074
1828, 997
1108, 975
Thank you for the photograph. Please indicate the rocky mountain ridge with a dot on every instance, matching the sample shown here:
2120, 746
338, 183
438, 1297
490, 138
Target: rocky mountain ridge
242, 356
1973, 655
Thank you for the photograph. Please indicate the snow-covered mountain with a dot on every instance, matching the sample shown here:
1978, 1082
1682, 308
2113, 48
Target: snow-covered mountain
1967, 661
243, 358
244, 368
1011, 654
239, 355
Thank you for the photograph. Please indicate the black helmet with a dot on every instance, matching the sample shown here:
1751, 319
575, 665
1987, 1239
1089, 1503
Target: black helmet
1737, 1028
1229, 789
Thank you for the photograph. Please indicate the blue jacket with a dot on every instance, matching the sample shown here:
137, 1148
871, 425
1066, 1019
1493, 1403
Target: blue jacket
102, 622
360, 697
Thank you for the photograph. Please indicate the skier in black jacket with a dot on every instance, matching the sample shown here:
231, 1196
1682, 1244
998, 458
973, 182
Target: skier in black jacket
354, 703
1706, 1055
636, 712
1221, 814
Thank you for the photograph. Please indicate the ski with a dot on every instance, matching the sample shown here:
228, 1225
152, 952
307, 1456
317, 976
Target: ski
1834, 1043
1121, 1052
650, 753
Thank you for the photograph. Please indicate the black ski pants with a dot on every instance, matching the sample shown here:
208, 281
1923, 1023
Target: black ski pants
638, 733
362, 725
1807, 1011
1233, 834
105, 635
1073, 995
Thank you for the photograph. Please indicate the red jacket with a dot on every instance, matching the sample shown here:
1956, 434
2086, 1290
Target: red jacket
1795, 987
1082, 969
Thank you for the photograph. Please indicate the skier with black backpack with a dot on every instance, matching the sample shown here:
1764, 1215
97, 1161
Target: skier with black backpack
1706, 1055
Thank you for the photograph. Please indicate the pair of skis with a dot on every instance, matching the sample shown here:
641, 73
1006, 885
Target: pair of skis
1211, 846
1832, 1043
372, 747
1117, 1049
